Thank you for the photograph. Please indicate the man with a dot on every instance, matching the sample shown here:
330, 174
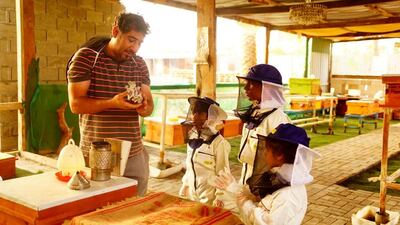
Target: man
97, 77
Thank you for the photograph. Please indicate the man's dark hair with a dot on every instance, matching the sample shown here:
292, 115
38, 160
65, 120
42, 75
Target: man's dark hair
130, 21
287, 149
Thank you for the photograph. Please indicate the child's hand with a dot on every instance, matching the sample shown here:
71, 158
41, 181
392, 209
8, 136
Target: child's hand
244, 195
184, 191
219, 203
226, 181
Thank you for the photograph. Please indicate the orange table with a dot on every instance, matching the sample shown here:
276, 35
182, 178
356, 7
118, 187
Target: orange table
43, 200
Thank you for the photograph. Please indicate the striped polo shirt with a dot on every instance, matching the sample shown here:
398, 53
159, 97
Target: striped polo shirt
108, 78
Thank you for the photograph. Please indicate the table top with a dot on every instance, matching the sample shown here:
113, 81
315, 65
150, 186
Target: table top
6, 156
43, 191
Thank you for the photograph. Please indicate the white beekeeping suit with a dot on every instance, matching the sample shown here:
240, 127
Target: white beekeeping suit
260, 116
281, 188
207, 152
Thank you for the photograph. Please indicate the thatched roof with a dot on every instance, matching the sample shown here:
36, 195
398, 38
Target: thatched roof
346, 19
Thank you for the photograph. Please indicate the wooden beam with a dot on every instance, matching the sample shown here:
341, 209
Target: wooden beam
360, 39
379, 10
347, 23
384, 161
206, 57
248, 21
25, 22
368, 77
286, 8
267, 39
8, 106
268, 2
175, 4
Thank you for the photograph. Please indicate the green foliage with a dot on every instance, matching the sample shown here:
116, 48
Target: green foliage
24, 173
360, 181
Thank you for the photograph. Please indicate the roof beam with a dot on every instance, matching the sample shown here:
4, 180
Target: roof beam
269, 2
346, 23
248, 21
175, 4
365, 34
286, 8
379, 10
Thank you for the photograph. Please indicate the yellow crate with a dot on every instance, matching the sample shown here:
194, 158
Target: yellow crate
362, 107
173, 132
305, 103
304, 86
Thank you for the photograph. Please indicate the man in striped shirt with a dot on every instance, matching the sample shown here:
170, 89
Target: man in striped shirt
97, 76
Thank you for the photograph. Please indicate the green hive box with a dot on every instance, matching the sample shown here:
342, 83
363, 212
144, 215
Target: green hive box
304, 86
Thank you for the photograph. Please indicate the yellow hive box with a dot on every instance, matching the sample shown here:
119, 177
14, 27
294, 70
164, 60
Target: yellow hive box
392, 91
232, 127
304, 86
362, 107
305, 103
173, 132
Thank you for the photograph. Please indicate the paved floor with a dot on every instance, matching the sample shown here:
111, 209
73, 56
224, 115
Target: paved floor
329, 203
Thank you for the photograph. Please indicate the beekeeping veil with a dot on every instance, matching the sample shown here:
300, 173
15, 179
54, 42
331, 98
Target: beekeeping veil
204, 118
270, 80
265, 180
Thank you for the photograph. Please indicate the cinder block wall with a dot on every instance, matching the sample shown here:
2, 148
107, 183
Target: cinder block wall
61, 26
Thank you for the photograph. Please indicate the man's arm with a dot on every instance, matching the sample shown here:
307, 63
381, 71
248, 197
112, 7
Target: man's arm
80, 103
147, 107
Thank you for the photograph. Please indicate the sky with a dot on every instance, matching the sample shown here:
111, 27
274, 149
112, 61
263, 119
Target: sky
173, 31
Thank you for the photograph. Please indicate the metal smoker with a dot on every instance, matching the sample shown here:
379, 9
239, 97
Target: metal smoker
101, 160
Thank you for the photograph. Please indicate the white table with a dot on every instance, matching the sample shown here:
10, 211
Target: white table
43, 199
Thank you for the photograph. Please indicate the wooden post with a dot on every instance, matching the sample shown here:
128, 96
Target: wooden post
385, 141
206, 59
267, 38
25, 21
305, 75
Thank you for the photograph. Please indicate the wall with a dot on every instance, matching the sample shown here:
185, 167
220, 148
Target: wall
319, 62
61, 26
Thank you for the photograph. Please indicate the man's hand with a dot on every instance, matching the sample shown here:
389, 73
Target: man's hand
119, 101
147, 104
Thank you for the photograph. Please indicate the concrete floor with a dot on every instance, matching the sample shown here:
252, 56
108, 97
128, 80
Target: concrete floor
329, 203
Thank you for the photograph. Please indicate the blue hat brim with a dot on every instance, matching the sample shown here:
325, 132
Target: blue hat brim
316, 154
262, 81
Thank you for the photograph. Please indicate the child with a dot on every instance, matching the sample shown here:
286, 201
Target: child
276, 193
260, 107
207, 151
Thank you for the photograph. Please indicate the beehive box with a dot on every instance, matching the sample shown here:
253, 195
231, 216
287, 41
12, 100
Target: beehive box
392, 90
7, 166
326, 102
362, 107
305, 103
232, 127
173, 132
304, 86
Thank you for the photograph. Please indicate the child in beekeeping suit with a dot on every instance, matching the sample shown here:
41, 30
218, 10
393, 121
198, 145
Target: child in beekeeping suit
275, 194
260, 106
207, 151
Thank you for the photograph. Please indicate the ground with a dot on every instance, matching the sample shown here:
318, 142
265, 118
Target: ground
329, 203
